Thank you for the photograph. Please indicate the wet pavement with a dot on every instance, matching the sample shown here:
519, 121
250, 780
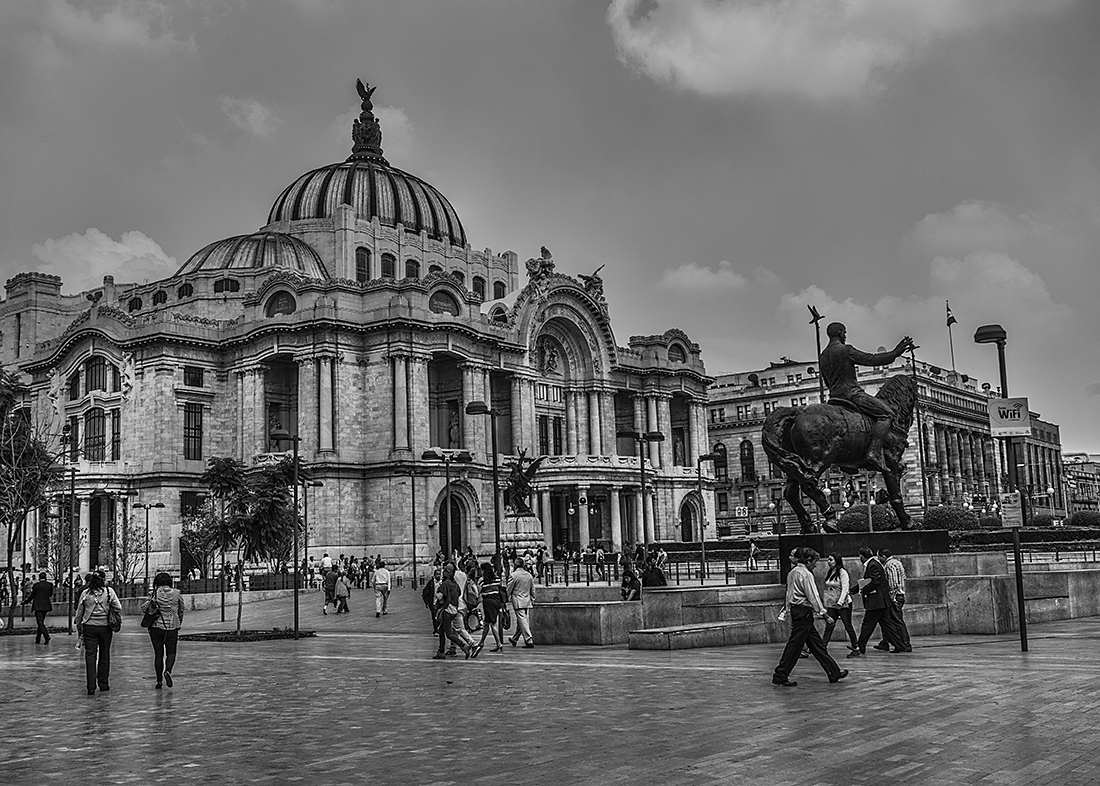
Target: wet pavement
364, 702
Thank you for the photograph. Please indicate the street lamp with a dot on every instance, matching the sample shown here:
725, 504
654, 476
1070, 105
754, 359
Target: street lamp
412, 473
642, 438
481, 408
448, 456
995, 334
703, 514
1050, 499
73, 451
278, 434
147, 506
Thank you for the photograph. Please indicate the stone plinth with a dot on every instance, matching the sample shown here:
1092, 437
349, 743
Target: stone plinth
522, 531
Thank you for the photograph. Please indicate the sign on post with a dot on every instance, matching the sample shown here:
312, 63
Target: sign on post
1009, 417
1012, 514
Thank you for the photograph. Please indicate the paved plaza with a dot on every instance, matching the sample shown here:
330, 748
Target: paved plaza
364, 703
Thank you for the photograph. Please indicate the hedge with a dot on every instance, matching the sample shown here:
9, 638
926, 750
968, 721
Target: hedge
1084, 518
951, 518
1065, 537
854, 519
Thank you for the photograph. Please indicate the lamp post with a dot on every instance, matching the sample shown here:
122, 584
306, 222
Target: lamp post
481, 408
777, 505
147, 506
279, 433
73, 451
447, 456
995, 334
702, 515
640, 439
306, 486
412, 473
1050, 499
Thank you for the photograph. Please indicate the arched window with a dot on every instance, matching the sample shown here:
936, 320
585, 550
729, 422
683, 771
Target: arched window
362, 264
134, 304
721, 463
227, 285
443, 303
748, 461
160, 296
185, 291
95, 435
281, 302
389, 266
434, 269
499, 316
499, 290
95, 373
460, 277
412, 268
676, 354
479, 287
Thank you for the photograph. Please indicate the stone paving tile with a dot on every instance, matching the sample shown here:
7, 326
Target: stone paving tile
364, 702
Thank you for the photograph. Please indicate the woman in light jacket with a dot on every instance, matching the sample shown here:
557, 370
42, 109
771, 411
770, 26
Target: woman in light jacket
164, 631
838, 600
95, 630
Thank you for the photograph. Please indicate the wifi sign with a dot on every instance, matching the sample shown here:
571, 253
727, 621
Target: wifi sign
1009, 417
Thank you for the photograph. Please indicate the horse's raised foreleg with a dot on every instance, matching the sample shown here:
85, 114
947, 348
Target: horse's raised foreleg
814, 492
893, 489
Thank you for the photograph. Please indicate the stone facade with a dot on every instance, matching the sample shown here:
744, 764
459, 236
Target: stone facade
367, 340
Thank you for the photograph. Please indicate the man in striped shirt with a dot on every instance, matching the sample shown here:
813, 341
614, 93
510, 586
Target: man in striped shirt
803, 604
895, 602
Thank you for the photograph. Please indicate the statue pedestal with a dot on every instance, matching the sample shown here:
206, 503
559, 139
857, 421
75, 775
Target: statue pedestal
521, 531
847, 544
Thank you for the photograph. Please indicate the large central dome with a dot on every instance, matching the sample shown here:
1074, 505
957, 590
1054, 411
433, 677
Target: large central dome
371, 187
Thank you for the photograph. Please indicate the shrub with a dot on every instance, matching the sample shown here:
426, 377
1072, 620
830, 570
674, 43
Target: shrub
1085, 518
989, 522
854, 519
950, 517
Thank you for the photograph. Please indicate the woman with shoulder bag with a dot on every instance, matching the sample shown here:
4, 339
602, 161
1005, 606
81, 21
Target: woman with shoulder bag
163, 612
492, 601
838, 600
98, 615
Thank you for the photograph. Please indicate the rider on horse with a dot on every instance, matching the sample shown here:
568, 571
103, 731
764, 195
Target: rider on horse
838, 363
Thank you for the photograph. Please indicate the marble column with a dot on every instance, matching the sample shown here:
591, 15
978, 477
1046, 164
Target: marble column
640, 417
616, 519
420, 430
400, 403
582, 516
473, 426
694, 443
652, 425
326, 410
580, 401
570, 423
545, 516
84, 528
519, 435
595, 433
650, 513
664, 425
607, 422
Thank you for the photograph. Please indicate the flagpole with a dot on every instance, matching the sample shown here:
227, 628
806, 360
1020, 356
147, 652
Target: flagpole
920, 431
950, 339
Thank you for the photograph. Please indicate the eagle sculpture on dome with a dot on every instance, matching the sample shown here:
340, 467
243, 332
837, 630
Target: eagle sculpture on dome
365, 92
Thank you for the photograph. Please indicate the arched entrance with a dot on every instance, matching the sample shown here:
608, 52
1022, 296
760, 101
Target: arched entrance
452, 524
687, 522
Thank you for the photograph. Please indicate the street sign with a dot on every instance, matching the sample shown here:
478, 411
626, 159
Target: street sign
741, 511
1011, 512
1009, 417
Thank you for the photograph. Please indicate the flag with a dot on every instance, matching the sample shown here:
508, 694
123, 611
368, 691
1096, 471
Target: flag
950, 317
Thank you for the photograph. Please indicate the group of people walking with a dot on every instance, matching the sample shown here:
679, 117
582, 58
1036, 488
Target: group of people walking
882, 590
462, 603
338, 578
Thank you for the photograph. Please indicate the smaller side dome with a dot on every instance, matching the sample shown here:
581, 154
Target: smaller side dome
258, 250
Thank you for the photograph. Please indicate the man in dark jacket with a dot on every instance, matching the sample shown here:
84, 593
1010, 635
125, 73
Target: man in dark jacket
328, 584
40, 599
875, 590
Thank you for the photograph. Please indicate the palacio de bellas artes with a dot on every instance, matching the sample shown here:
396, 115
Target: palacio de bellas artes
360, 323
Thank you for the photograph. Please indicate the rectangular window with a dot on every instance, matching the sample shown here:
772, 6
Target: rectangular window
559, 447
74, 438
116, 434
193, 376
95, 374
723, 502
191, 502
74, 386
95, 435
750, 499
721, 471
544, 435
192, 432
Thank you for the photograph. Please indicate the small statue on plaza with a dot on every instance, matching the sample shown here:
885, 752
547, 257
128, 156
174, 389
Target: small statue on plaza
517, 494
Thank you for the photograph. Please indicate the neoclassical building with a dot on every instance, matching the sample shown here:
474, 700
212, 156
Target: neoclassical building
360, 319
952, 459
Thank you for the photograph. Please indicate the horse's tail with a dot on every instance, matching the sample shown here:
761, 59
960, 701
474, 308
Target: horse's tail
776, 439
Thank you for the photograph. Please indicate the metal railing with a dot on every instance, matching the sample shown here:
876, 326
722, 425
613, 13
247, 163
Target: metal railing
680, 572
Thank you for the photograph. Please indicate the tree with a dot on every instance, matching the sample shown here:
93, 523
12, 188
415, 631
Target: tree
27, 469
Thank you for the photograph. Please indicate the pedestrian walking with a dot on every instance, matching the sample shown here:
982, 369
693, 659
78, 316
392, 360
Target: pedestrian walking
431, 587
752, 563
802, 605
521, 592
875, 591
492, 602
471, 593
446, 602
381, 588
93, 625
895, 599
167, 603
328, 584
838, 600
40, 599
342, 592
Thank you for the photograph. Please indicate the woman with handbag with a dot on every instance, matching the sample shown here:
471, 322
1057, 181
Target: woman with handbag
98, 615
163, 611
838, 600
492, 601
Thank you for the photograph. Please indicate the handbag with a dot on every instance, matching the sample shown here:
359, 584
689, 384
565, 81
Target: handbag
506, 619
114, 619
151, 616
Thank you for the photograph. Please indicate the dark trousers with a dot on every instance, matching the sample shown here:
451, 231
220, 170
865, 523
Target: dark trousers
844, 614
873, 617
342, 604
97, 646
447, 631
41, 632
164, 650
803, 632
898, 618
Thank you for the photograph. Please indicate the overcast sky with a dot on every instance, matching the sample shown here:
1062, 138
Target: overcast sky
730, 162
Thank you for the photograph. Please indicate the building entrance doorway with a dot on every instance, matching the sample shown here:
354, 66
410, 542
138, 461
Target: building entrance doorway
451, 527
687, 524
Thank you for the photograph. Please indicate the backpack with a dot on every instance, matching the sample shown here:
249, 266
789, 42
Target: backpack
472, 594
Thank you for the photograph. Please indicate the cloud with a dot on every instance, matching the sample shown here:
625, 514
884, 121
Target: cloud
130, 24
398, 133
820, 49
692, 278
82, 260
973, 225
250, 115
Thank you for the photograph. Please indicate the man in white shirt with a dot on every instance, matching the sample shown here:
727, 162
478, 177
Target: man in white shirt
326, 563
381, 588
521, 591
803, 604
460, 621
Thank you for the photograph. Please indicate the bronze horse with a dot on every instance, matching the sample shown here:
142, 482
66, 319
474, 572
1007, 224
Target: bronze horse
805, 442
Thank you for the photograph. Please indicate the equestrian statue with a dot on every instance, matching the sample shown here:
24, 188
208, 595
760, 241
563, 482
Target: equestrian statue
855, 431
